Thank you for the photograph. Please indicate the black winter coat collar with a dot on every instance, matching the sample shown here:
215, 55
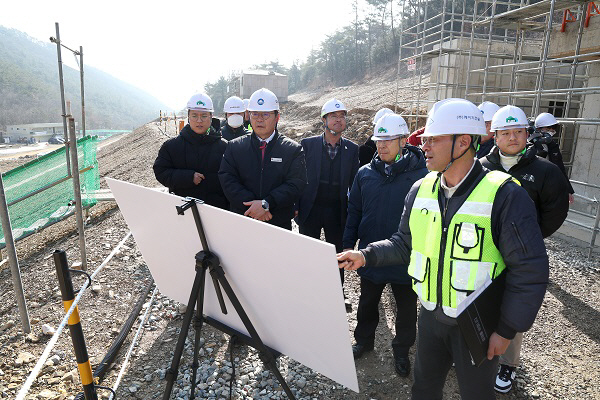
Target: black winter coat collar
526, 159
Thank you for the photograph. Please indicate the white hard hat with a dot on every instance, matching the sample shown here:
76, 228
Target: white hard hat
390, 126
488, 109
545, 119
234, 105
509, 117
381, 113
332, 105
200, 101
246, 101
454, 117
263, 100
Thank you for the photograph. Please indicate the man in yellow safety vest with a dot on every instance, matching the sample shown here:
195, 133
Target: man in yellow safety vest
462, 225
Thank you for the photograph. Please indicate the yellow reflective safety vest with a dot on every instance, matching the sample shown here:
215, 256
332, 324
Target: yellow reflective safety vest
448, 264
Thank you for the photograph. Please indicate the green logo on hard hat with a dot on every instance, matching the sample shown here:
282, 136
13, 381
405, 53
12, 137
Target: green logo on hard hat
382, 130
200, 103
511, 119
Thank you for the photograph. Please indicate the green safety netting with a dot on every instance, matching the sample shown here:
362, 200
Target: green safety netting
52, 204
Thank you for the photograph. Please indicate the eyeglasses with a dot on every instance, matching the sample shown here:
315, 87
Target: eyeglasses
264, 115
429, 140
201, 117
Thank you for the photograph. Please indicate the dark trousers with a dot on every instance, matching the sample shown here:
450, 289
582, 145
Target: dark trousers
439, 345
329, 219
367, 315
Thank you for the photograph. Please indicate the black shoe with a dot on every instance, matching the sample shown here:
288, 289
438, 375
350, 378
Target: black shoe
359, 349
402, 366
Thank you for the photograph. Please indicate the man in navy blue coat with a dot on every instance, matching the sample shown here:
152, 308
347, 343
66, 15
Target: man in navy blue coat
374, 210
331, 164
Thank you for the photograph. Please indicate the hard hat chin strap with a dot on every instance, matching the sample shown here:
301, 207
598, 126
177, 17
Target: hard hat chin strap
452, 159
325, 124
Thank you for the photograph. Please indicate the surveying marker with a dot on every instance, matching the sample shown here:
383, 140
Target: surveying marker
68, 295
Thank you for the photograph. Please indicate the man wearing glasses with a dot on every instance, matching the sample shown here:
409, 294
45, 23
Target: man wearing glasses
331, 164
462, 227
263, 174
189, 163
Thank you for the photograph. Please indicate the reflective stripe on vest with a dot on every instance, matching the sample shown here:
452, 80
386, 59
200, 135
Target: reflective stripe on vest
471, 257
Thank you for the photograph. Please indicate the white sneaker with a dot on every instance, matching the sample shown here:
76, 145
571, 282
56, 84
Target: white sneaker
505, 378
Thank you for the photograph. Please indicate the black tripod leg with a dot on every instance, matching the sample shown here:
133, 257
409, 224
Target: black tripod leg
185, 326
266, 356
198, 322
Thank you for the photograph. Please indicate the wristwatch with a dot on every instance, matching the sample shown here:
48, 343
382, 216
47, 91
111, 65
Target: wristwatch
265, 205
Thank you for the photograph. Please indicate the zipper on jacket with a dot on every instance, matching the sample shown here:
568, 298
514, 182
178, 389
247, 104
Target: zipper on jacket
440, 272
519, 237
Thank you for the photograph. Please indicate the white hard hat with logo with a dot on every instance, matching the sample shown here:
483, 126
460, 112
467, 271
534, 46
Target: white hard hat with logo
234, 105
332, 105
545, 119
390, 126
488, 109
263, 100
380, 113
454, 117
509, 117
200, 102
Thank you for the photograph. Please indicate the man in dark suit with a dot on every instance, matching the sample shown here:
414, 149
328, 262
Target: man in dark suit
331, 164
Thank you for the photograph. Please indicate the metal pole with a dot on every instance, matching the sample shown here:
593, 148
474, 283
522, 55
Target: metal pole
82, 95
399, 56
13, 260
538, 98
439, 76
575, 60
471, 49
488, 51
77, 192
62, 97
595, 231
421, 66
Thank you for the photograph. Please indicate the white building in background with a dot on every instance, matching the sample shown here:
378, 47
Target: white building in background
252, 80
34, 133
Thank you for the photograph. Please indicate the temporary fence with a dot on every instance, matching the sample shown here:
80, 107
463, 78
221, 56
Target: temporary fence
39, 193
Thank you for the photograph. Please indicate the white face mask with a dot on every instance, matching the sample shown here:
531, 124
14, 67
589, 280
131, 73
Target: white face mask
235, 120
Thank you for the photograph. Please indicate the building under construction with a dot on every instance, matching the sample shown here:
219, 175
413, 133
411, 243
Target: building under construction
542, 56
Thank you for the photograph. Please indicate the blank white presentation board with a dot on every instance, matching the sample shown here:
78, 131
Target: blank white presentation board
288, 284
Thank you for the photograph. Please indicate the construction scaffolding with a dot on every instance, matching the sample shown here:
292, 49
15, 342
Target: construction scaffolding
542, 56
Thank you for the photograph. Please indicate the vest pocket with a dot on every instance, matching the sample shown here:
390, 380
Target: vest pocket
467, 242
418, 270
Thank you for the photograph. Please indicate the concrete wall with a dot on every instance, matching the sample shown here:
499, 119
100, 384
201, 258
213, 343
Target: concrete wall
277, 83
453, 67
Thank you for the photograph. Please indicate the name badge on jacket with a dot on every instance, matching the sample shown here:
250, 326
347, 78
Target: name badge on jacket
274, 159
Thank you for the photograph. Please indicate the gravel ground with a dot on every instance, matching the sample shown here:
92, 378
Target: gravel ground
559, 358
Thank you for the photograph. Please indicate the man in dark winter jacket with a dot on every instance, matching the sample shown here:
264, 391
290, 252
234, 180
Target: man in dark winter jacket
233, 127
374, 209
331, 164
545, 127
544, 183
263, 174
189, 163
462, 227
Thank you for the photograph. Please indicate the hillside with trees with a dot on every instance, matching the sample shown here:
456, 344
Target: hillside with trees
30, 91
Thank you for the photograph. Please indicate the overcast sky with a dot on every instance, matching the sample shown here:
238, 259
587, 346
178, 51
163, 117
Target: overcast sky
171, 49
